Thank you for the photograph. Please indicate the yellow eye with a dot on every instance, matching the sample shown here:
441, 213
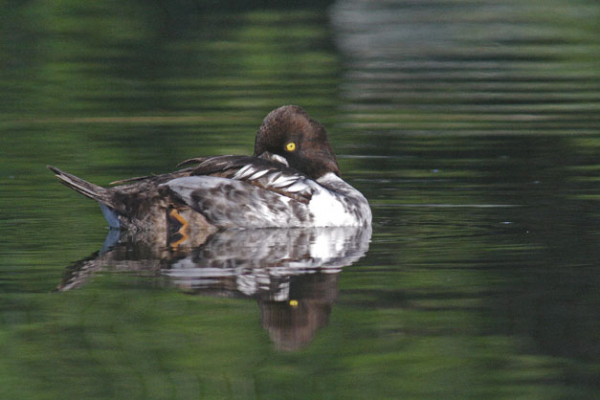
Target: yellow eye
291, 146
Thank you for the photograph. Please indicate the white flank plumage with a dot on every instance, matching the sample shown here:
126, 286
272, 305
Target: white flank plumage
328, 208
229, 202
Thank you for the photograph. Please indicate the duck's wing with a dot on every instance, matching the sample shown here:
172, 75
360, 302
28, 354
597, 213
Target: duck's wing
215, 163
265, 173
245, 191
218, 166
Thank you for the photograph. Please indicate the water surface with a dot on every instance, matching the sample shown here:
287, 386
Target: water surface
473, 128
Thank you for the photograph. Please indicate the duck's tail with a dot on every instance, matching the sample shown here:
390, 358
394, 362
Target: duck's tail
94, 192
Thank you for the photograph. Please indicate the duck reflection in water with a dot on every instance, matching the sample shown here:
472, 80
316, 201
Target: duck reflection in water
292, 273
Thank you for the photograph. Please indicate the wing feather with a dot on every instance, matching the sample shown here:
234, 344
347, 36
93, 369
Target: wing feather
263, 172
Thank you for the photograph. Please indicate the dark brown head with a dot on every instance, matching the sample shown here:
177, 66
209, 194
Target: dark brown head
290, 132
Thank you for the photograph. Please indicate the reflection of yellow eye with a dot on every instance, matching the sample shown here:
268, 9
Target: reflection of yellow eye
294, 303
291, 146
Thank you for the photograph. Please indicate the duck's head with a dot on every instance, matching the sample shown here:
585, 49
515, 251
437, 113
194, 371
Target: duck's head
291, 133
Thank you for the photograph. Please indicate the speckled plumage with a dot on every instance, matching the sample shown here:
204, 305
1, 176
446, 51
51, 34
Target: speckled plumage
292, 180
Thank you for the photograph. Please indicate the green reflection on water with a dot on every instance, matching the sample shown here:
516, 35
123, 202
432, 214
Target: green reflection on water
455, 300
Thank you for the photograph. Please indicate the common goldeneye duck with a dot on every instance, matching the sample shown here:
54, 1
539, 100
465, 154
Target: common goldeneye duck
292, 180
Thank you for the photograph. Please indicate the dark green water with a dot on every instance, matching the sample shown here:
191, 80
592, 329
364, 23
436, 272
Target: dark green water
472, 127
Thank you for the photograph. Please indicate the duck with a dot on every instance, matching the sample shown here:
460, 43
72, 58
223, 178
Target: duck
292, 180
